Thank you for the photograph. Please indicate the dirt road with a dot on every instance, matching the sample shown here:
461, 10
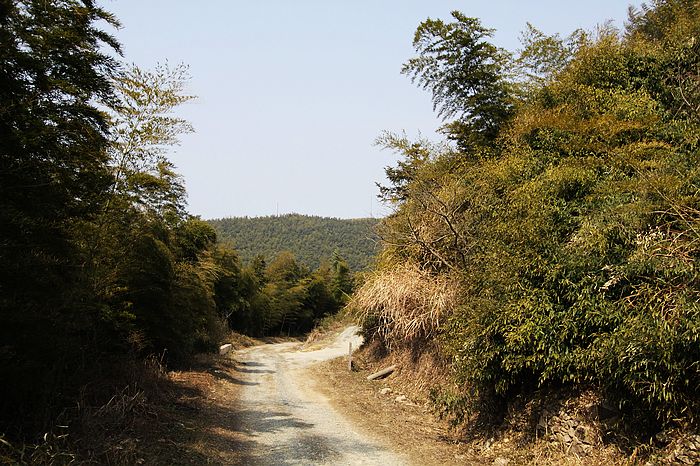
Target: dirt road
284, 421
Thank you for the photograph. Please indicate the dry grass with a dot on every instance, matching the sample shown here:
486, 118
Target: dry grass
405, 303
239, 340
141, 414
101, 427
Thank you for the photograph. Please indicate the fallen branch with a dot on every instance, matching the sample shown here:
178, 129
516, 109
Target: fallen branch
382, 373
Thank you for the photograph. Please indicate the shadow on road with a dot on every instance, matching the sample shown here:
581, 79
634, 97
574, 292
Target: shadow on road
221, 375
253, 371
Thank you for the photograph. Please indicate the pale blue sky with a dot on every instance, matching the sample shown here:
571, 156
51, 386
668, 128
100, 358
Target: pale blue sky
293, 93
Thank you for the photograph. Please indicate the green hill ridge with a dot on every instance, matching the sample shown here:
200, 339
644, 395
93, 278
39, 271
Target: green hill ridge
311, 238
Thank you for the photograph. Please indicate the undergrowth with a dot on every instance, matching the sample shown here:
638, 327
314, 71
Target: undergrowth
106, 422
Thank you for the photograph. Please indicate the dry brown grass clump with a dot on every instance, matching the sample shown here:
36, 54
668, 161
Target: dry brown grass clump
405, 304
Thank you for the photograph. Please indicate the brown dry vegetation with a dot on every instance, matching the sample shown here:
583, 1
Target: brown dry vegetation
158, 417
405, 303
143, 423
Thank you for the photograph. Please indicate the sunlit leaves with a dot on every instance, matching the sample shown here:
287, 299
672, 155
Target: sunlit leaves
464, 73
144, 128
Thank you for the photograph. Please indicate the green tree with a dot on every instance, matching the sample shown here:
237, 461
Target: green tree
543, 56
257, 269
143, 129
287, 297
284, 269
54, 74
414, 155
320, 298
143, 247
312, 239
465, 74
228, 289
341, 284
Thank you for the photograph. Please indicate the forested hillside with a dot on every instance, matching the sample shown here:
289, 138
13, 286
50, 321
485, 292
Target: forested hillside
553, 240
311, 239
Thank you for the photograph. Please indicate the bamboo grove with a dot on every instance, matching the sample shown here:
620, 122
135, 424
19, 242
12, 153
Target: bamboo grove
551, 240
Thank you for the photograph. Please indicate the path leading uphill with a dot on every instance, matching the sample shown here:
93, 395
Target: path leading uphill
282, 420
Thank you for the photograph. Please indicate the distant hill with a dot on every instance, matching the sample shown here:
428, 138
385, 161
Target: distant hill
311, 239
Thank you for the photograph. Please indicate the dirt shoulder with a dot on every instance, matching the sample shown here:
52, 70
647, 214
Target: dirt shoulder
186, 417
405, 425
192, 422
211, 423
536, 431
396, 412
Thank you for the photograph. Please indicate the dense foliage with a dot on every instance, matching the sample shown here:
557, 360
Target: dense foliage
311, 239
282, 297
571, 233
53, 175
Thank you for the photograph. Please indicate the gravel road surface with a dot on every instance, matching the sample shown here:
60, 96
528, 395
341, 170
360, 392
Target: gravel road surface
286, 422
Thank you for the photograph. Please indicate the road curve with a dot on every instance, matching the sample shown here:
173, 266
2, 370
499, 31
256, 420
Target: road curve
285, 422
